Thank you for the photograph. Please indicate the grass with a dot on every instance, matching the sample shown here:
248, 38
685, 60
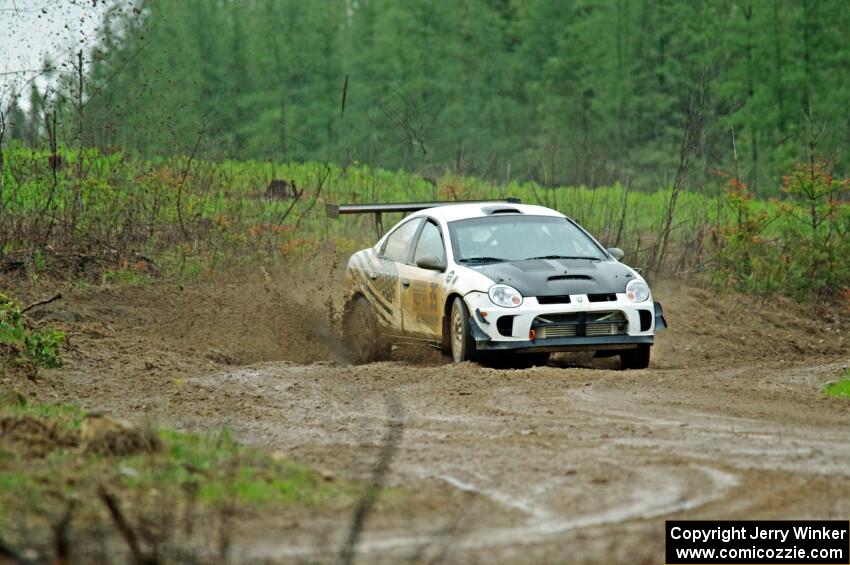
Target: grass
68, 416
193, 477
193, 220
196, 218
840, 388
219, 465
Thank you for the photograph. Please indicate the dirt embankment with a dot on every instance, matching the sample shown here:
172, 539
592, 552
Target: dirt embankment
568, 462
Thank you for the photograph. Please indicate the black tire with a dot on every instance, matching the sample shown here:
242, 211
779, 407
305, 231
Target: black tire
533, 359
361, 333
511, 360
461, 343
635, 358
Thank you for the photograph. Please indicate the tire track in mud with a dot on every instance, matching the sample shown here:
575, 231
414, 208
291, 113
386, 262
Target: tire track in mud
468, 448
751, 442
661, 496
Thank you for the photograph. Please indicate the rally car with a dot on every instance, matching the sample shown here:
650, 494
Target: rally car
494, 278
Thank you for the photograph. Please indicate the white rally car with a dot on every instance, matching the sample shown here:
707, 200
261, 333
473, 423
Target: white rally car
494, 278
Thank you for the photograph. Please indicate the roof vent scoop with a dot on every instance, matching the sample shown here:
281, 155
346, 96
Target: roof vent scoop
491, 210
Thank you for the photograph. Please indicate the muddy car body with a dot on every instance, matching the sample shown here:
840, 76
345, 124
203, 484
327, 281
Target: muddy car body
499, 279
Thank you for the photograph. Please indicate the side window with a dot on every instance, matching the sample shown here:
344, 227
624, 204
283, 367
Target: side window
430, 243
398, 243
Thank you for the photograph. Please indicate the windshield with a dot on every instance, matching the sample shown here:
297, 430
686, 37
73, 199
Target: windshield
514, 238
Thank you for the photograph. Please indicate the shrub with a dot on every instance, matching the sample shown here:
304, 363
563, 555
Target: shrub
797, 246
815, 230
18, 339
746, 258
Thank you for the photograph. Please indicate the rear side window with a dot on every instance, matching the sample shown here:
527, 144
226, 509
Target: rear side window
430, 243
398, 243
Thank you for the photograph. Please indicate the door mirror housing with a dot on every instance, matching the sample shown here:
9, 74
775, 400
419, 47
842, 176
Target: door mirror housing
431, 263
616, 253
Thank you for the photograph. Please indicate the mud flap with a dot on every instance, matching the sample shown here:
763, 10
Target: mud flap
478, 334
660, 322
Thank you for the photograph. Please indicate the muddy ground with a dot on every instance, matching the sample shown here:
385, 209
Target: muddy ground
574, 462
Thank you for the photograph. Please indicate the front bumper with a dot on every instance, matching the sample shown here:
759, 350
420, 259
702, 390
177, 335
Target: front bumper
597, 343
641, 321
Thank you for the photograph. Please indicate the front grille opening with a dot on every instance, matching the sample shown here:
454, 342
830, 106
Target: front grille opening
580, 324
645, 320
505, 325
612, 328
601, 297
560, 299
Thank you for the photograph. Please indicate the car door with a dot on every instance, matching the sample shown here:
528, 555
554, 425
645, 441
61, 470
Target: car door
423, 290
383, 273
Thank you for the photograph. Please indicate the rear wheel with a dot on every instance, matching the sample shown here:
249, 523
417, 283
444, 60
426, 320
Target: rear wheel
462, 344
635, 358
361, 333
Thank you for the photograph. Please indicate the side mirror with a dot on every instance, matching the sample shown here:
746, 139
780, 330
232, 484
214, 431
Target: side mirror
616, 253
431, 263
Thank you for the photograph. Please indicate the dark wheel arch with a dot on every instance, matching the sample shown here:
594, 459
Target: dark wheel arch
361, 333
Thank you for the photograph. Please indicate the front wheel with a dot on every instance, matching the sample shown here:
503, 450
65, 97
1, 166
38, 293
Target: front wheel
635, 358
462, 344
361, 333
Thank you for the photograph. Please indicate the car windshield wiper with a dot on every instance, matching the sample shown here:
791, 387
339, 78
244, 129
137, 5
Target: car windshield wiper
563, 257
482, 260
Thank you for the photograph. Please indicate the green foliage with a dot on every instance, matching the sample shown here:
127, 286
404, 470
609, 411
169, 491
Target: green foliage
41, 346
746, 260
223, 470
585, 92
193, 478
224, 218
816, 231
797, 246
67, 416
840, 388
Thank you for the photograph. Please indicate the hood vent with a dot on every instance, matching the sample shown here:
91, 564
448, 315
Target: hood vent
570, 278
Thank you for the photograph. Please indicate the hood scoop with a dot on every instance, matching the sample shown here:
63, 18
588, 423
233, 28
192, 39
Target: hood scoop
570, 278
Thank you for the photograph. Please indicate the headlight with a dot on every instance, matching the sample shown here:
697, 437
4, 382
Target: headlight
505, 296
637, 291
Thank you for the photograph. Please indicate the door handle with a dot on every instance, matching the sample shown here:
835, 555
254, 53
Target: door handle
405, 283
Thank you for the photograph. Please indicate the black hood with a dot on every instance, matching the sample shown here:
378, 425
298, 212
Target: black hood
539, 277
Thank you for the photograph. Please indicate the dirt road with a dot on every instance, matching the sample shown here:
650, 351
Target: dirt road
567, 457
574, 462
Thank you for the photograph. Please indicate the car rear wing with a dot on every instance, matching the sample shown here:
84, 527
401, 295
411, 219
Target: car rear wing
335, 210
